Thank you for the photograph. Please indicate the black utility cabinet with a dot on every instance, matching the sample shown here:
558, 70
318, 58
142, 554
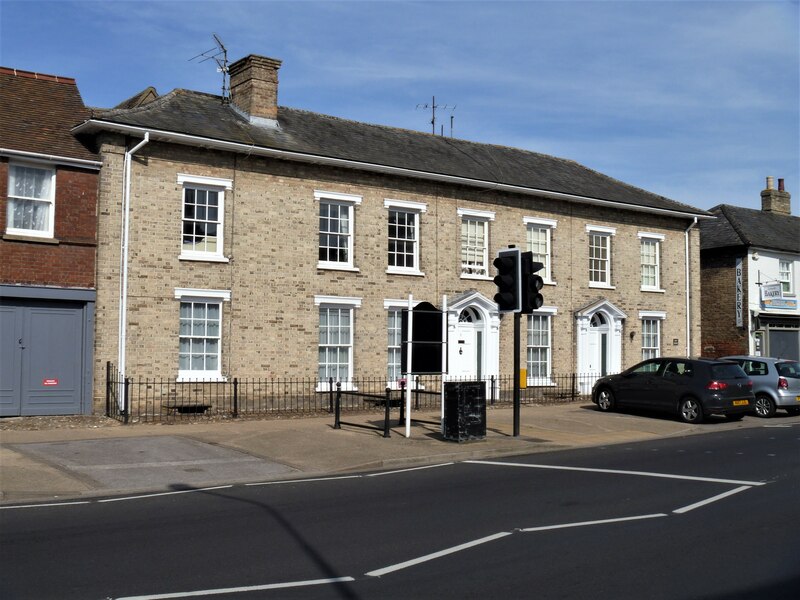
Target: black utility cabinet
464, 410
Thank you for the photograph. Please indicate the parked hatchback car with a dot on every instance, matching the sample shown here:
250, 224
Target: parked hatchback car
690, 388
776, 383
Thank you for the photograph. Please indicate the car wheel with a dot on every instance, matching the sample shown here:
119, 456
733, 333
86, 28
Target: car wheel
793, 410
605, 400
690, 411
764, 407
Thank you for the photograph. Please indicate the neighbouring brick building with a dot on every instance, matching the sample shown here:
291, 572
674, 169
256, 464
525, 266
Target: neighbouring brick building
750, 261
48, 202
244, 239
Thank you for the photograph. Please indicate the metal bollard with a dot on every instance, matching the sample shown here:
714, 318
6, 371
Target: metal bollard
386, 417
337, 424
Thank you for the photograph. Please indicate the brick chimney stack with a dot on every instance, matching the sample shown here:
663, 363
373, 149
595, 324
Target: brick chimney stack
254, 87
776, 201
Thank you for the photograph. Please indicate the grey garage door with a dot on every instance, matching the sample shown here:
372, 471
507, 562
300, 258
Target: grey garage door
41, 357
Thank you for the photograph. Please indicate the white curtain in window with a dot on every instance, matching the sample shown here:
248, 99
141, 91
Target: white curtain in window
27, 188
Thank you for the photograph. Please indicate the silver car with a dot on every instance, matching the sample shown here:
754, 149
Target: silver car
776, 383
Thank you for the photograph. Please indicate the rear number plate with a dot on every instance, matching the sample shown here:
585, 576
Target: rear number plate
741, 402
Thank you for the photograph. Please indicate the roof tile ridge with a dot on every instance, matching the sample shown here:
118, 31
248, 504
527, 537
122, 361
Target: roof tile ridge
729, 211
160, 101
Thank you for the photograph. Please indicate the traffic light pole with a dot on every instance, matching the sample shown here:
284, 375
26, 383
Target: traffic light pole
516, 373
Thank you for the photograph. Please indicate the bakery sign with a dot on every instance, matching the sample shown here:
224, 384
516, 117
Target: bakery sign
772, 297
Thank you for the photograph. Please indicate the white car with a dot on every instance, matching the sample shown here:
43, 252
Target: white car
776, 383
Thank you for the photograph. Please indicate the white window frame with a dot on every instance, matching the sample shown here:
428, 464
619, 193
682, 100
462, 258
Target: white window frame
546, 225
656, 239
483, 217
549, 312
415, 208
192, 295
49, 231
656, 317
342, 303
208, 184
606, 233
348, 201
786, 276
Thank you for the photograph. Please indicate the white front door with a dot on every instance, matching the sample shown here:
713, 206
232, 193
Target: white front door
467, 347
599, 343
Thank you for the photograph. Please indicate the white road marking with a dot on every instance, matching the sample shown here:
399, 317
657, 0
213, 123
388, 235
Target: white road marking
236, 590
686, 509
435, 555
303, 480
587, 523
45, 505
407, 470
618, 472
191, 491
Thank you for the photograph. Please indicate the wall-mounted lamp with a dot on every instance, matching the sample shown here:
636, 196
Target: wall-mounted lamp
632, 335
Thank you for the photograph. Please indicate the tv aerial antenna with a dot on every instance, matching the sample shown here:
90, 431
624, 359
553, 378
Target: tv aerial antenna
433, 106
219, 55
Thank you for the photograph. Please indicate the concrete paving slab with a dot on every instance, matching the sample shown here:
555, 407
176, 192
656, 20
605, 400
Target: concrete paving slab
149, 463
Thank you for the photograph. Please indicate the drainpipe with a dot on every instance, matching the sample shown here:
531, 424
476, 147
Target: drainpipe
123, 293
688, 297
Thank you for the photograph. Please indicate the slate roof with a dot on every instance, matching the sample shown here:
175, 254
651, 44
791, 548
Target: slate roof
37, 113
737, 226
204, 115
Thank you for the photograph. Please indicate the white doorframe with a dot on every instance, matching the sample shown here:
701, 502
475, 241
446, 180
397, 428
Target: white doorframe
599, 342
484, 329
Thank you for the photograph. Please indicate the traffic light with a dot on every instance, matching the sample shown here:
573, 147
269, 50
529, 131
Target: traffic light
531, 284
508, 280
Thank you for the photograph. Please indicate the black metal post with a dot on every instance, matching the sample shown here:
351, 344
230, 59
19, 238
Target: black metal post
574, 384
416, 393
126, 400
387, 416
493, 390
235, 397
336, 419
402, 402
330, 394
517, 317
108, 388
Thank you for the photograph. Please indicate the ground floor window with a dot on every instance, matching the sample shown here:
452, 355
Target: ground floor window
335, 351
651, 334
539, 351
200, 334
394, 358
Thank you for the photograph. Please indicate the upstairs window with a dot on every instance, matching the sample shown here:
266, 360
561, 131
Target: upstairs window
336, 216
785, 277
403, 236
203, 217
650, 260
600, 255
475, 243
539, 234
31, 200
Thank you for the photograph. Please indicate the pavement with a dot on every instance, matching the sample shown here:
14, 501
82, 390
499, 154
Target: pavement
101, 458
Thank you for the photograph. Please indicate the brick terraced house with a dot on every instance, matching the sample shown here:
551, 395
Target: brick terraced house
48, 202
244, 239
750, 261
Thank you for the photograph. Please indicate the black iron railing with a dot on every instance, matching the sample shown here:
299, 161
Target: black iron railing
132, 399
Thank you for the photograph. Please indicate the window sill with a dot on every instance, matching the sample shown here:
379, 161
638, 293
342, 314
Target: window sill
204, 258
335, 267
541, 382
201, 378
325, 387
15, 237
476, 277
654, 290
411, 272
602, 286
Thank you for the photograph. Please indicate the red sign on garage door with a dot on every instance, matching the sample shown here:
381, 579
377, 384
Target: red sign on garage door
49, 381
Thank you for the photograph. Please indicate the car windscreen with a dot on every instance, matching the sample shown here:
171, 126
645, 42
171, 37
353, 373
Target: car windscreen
727, 371
788, 369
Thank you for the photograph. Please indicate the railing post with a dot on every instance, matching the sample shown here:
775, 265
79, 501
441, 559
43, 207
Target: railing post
574, 384
416, 393
126, 400
491, 392
386, 416
235, 397
330, 394
108, 388
336, 419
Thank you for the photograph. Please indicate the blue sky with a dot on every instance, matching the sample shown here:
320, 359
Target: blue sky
697, 101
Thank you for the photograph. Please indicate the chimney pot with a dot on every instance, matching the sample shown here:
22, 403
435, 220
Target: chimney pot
770, 183
780, 185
